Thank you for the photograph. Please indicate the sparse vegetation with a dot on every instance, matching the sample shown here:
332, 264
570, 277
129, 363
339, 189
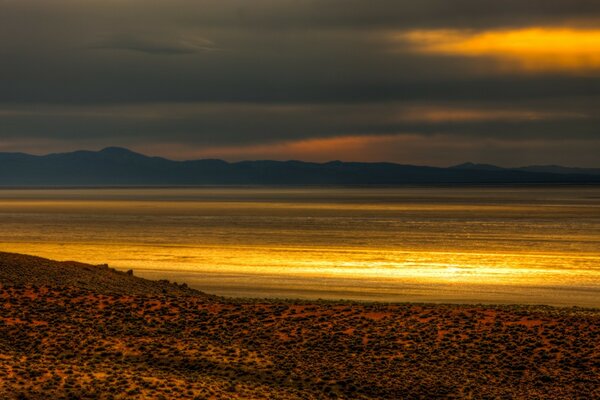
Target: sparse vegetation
19, 270
69, 342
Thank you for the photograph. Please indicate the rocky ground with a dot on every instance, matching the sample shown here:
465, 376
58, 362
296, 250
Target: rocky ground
62, 340
20, 269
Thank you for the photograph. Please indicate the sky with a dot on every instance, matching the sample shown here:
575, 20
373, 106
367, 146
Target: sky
429, 82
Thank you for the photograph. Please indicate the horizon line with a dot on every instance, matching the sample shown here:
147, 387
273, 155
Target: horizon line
460, 164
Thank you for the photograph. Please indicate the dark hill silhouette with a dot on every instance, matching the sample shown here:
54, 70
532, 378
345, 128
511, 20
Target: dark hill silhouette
21, 270
118, 166
477, 167
549, 169
557, 169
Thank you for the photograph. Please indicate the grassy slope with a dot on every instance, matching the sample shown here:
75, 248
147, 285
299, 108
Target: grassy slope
19, 269
119, 337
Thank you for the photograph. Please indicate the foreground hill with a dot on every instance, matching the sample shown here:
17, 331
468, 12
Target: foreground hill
74, 343
19, 270
118, 166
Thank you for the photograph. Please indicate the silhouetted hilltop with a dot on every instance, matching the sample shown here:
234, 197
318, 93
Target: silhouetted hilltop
19, 270
118, 166
545, 169
557, 169
477, 167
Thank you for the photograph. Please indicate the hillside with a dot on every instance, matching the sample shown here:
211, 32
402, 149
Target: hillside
118, 166
21, 270
74, 331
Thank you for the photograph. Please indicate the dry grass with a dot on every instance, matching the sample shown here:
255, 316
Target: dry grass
19, 269
72, 343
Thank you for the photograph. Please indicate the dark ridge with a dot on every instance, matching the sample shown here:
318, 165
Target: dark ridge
542, 169
115, 166
557, 169
480, 167
24, 270
117, 151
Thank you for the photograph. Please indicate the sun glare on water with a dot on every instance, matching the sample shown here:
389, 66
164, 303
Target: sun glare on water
368, 244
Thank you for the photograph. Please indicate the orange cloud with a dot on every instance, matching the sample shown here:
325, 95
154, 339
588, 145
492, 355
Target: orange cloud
441, 150
318, 149
433, 114
530, 49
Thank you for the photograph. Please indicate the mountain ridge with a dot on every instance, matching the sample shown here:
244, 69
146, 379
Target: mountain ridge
121, 166
551, 168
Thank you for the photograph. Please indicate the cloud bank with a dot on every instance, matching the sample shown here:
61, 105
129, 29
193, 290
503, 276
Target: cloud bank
429, 82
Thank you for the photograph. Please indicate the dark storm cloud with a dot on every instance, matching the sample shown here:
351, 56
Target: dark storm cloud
291, 14
121, 51
401, 14
239, 124
149, 45
238, 72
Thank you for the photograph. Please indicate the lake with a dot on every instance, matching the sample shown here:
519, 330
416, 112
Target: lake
490, 245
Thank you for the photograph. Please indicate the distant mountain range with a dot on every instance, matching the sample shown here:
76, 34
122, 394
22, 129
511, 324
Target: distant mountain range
552, 169
116, 166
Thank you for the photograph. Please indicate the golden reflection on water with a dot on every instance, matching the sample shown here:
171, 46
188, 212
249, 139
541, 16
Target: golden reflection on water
355, 243
368, 263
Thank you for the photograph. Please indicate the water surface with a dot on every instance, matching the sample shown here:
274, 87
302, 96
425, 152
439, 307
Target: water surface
515, 245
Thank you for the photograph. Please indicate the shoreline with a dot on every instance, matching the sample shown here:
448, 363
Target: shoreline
71, 330
299, 300
363, 290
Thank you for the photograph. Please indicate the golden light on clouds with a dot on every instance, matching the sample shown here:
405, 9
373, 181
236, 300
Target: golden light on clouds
530, 49
351, 147
432, 114
400, 146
